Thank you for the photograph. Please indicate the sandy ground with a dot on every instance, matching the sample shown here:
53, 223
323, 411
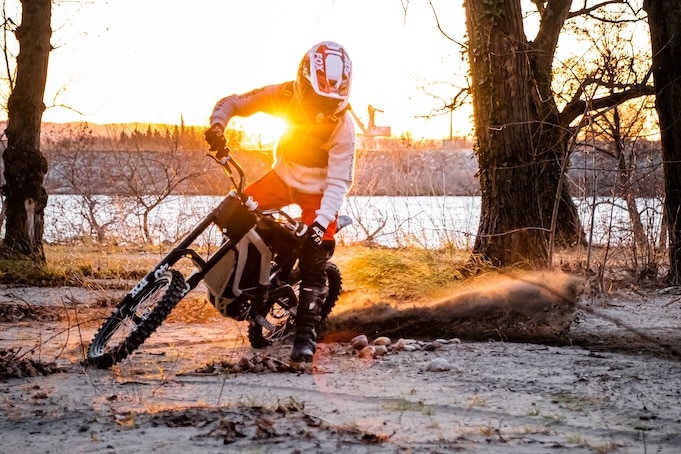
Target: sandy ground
197, 387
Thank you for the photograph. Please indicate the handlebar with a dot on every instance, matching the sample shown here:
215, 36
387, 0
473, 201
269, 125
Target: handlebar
295, 226
228, 164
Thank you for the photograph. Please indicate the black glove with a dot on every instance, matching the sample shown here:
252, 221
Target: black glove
315, 232
215, 137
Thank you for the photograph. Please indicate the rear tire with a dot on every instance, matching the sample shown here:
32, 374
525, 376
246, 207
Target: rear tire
281, 315
135, 319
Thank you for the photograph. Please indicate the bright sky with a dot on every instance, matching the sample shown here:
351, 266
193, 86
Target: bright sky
155, 61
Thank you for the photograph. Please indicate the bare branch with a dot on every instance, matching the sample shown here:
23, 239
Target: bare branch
552, 20
439, 27
8, 25
460, 99
540, 5
405, 5
588, 10
580, 107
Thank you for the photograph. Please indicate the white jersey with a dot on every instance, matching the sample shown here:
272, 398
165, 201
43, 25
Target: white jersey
313, 157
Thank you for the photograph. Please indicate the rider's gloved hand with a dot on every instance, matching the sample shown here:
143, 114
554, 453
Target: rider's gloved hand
215, 137
315, 232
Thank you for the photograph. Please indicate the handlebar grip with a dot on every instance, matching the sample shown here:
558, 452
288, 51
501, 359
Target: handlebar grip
300, 230
222, 153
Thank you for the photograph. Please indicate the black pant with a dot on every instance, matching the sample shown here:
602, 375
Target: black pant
312, 262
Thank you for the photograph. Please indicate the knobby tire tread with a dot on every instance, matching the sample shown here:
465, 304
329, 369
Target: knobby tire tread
172, 295
335, 284
335, 280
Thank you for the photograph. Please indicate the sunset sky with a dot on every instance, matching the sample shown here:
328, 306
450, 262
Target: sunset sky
155, 61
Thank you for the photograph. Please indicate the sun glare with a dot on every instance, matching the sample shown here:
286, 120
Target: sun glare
260, 130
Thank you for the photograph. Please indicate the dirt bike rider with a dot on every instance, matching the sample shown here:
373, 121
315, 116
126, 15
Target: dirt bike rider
313, 165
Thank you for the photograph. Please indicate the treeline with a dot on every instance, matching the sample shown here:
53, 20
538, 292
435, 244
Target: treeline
147, 159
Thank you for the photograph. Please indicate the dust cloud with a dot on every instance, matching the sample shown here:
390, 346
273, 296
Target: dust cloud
519, 307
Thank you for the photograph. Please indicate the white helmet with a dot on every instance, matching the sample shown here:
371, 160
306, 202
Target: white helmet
324, 78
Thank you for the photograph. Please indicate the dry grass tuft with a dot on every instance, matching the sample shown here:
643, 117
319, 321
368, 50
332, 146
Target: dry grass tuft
400, 274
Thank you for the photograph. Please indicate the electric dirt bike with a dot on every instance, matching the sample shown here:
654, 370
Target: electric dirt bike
252, 276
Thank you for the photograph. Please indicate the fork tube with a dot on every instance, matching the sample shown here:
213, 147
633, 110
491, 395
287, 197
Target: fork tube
198, 230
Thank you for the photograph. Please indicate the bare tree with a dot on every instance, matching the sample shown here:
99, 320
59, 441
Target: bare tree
664, 20
150, 177
76, 163
25, 166
522, 135
618, 133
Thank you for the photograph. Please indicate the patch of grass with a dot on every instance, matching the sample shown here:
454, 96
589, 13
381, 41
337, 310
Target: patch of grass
103, 262
74, 265
27, 272
402, 274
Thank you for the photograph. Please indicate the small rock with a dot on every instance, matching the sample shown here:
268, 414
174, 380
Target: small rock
442, 341
438, 365
402, 343
432, 346
367, 352
380, 350
383, 340
410, 348
399, 345
359, 342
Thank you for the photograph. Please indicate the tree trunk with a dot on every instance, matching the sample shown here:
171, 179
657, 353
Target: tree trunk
551, 135
664, 20
25, 166
520, 153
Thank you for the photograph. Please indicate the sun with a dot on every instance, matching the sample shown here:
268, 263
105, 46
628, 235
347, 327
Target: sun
260, 130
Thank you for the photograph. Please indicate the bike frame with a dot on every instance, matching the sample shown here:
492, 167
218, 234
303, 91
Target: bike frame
236, 215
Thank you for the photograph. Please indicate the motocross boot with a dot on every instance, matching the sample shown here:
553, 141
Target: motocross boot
259, 304
307, 319
256, 318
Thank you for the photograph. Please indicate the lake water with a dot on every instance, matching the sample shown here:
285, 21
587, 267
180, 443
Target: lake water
391, 221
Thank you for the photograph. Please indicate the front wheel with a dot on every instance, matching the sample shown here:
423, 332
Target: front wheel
281, 310
135, 318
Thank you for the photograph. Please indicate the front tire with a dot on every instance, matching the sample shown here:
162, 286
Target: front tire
281, 315
135, 319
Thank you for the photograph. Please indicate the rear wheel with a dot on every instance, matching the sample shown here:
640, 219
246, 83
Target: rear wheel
281, 310
135, 319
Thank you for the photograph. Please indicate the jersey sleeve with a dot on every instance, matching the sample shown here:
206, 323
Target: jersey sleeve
266, 99
339, 174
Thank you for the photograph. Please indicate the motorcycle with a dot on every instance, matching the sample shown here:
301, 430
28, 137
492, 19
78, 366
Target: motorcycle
252, 276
